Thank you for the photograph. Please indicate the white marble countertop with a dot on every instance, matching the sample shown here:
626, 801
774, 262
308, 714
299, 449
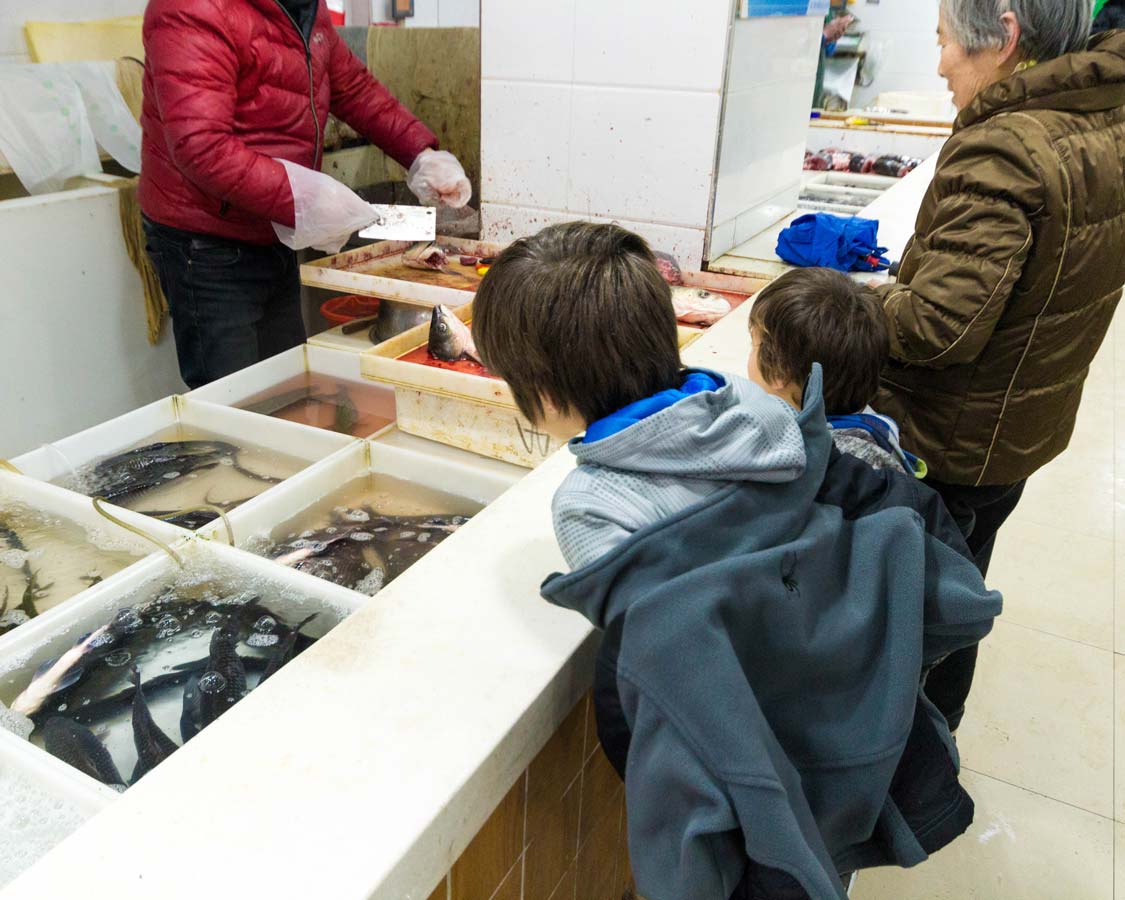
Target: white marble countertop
366, 766
896, 211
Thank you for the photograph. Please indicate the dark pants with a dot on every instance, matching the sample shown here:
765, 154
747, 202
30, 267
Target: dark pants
979, 513
232, 304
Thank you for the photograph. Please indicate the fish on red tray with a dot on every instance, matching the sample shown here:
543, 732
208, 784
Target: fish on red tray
450, 338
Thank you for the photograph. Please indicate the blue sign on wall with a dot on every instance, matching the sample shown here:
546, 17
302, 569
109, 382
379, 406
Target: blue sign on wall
754, 8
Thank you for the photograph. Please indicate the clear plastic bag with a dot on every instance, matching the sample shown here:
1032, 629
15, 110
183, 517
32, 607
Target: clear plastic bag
437, 177
114, 127
326, 213
45, 132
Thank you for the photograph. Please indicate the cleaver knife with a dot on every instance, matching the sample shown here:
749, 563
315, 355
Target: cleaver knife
402, 223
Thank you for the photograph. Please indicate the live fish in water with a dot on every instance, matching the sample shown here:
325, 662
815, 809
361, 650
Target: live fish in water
61, 673
12, 615
137, 471
450, 338
285, 648
695, 306
77, 745
345, 412
220, 687
153, 745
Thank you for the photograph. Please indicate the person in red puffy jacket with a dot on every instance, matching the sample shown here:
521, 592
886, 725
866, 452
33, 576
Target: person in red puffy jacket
236, 97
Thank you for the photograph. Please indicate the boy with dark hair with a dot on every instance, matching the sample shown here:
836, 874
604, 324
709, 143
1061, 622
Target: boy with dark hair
820, 315
770, 605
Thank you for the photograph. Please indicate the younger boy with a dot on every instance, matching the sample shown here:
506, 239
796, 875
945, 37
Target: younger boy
769, 605
820, 315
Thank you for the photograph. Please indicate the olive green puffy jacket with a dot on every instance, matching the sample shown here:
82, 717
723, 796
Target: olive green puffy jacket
1016, 266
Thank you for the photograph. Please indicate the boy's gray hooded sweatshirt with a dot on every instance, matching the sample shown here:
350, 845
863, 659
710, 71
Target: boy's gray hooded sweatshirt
768, 645
671, 460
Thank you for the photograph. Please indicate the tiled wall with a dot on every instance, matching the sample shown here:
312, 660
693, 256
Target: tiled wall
13, 13
902, 43
559, 834
433, 13
765, 125
602, 111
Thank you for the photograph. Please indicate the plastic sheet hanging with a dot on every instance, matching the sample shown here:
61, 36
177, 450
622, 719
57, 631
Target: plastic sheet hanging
53, 116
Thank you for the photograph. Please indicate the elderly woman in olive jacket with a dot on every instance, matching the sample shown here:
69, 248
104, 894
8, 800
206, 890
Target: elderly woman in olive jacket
1010, 283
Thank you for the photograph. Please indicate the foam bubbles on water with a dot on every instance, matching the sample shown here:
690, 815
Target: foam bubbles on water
128, 619
14, 559
372, 583
266, 625
212, 682
362, 536
357, 515
12, 618
167, 625
32, 821
262, 640
213, 618
17, 723
118, 658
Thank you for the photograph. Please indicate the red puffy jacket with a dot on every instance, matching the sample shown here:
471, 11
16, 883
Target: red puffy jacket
230, 86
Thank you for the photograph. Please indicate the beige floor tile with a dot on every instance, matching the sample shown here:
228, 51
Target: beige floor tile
1118, 860
1074, 493
1022, 846
1041, 717
1055, 581
1119, 739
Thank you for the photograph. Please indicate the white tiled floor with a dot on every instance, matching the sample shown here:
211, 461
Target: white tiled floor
1043, 742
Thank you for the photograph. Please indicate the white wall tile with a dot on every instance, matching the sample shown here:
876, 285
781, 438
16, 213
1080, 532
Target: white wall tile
503, 224
525, 143
652, 43
425, 15
763, 146
459, 13
527, 41
778, 49
646, 155
13, 14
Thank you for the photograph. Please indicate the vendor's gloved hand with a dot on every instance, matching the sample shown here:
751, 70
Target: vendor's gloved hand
436, 177
326, 213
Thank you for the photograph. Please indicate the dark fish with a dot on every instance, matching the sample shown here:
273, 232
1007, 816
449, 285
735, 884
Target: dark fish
33, 590
58, 674
191, 717
284, 650
450, 338
153, 745
76, 744
224, 682
137, 471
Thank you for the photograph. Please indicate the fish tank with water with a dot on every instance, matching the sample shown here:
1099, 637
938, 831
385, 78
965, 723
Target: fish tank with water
131, 679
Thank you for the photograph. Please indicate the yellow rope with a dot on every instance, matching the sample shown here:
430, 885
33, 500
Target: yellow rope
4, 464
98, 501
203, 507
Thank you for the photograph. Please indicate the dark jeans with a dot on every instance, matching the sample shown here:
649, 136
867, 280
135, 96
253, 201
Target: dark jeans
232, 304
979, 512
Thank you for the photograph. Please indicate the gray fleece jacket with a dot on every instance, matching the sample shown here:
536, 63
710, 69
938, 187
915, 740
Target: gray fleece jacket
672, 460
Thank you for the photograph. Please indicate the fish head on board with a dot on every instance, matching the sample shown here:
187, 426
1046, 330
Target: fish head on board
450, 338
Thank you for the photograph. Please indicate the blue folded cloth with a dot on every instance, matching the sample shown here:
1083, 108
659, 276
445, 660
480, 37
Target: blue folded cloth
833, 242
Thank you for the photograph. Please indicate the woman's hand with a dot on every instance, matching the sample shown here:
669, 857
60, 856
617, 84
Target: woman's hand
437, 177
835, 29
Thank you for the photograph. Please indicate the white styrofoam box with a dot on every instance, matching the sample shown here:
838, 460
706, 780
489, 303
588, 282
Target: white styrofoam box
765, 131
73, 337
446, 469
527, 41
504, 224
58, 459
773, 50
633, 43
55, 800
13, 16
525, 143
260, 377
648, 156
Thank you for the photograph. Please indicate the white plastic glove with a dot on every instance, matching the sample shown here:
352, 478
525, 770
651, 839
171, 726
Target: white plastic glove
325, 212
437, 177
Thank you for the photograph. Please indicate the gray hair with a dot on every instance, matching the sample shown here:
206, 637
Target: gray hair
1049, 28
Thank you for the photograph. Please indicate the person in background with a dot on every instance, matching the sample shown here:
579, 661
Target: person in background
834, 29
769, 604
237, 94
822, 316
1011, 280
